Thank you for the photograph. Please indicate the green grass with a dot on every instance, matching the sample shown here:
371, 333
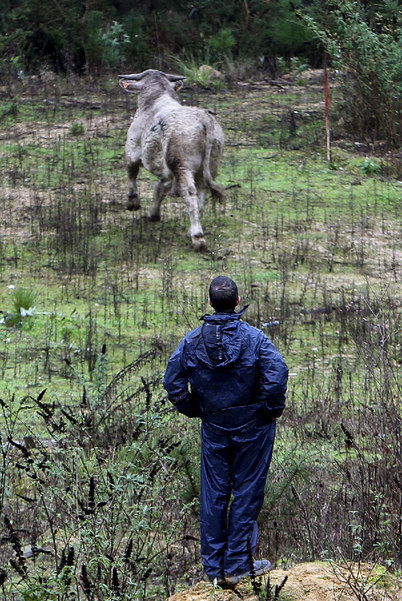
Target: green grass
102, 274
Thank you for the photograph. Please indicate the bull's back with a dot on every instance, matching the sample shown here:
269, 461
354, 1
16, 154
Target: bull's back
181, 139
175, 137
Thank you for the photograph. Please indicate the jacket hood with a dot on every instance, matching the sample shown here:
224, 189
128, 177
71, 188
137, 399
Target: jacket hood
220, 343
222, 317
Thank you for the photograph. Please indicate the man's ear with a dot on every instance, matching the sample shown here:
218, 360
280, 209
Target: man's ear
209, 300
238, 300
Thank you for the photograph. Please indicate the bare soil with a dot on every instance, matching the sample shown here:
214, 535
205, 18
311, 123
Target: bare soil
315, 581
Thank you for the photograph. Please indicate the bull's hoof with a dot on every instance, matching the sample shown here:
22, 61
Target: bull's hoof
133, 202
132, 207
199, 244
154, 217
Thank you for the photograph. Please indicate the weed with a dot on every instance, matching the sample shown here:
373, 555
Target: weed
78, 495
77, 129
197, 72
23, 302
369, 167
272, 592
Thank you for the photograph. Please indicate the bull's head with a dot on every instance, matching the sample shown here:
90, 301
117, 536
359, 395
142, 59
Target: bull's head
136, 82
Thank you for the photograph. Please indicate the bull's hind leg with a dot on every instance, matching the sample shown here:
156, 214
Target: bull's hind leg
133, 199
161, 190
188, 192
201, 200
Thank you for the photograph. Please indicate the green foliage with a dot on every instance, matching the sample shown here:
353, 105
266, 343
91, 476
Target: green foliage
137, 52
23, 300
77, 129
365, 44
11, 51
101, 503
105, 36
284, 33
105, 43
294, 65
60, 36
192, 69
38, 34
221, 42
113, 40
369, 167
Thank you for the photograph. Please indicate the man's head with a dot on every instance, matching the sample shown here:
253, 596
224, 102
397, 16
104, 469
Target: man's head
223, 294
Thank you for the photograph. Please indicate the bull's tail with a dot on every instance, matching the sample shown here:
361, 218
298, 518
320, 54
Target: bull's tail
216, 191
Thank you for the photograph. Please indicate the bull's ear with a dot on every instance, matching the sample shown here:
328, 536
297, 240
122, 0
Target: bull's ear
131, 86
178, 85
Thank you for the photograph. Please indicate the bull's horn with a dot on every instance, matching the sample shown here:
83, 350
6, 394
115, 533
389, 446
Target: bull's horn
138, 76
175, 77
135, 76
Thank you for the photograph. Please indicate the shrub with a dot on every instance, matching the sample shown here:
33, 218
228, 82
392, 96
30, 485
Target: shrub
23, 304
222, 42
89, 501
137, 51
196, 72
105, 44
23, 300
367, 50
77, 129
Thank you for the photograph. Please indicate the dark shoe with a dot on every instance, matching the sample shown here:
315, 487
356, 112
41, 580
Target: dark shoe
261, 566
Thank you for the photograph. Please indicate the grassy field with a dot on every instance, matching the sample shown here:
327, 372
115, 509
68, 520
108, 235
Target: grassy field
93, 295
101, 275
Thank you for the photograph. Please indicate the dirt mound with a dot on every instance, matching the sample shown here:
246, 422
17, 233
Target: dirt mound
316, 581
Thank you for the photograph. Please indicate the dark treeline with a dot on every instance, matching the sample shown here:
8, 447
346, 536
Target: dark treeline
362, 39
74, 35
87, 36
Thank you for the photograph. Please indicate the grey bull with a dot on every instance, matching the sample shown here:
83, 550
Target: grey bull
181, 145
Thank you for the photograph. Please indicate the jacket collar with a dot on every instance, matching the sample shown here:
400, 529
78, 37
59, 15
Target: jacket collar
222, 317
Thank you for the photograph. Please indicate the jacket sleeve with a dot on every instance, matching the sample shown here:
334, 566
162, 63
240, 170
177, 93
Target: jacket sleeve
176, 384
273, 377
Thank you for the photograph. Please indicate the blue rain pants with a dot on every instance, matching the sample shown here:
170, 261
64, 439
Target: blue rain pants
233, 465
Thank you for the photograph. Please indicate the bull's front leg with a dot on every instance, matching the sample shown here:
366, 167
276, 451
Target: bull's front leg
161, 190
133, 199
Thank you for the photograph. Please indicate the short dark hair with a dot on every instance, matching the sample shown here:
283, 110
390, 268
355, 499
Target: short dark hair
223, 293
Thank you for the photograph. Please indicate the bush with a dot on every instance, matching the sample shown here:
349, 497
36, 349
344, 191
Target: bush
23, 304
366, 47
36, 34
89, 500
137, 51
105, 44
222, 42
77, 129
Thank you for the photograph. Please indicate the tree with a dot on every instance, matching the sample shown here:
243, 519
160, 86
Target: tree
364, 42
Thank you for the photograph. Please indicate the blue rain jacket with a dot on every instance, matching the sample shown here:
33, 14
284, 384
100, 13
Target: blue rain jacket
232, 376
236, 375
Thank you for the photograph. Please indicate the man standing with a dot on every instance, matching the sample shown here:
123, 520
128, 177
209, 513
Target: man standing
237, 384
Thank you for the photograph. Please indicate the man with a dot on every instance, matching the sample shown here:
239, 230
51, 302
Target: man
237, 384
